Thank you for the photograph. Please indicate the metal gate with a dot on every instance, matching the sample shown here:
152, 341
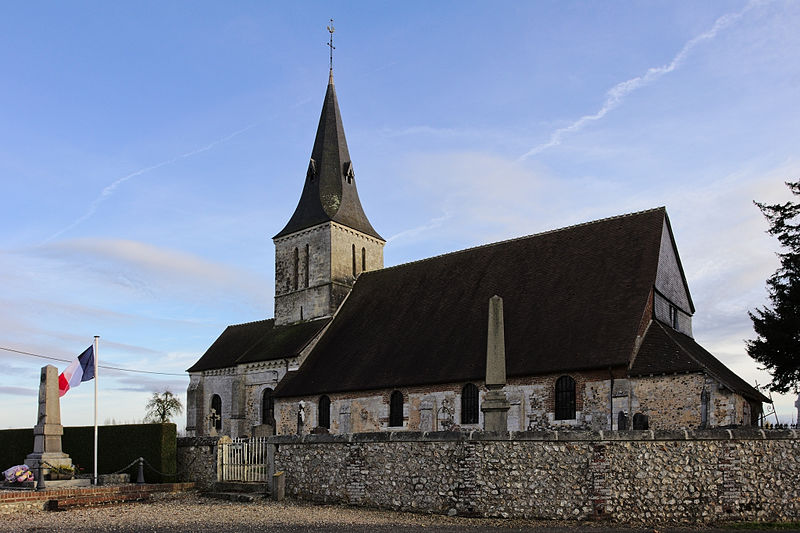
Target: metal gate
245, 460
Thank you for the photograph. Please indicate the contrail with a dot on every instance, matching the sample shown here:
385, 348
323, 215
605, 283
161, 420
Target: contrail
109, 190
617, 94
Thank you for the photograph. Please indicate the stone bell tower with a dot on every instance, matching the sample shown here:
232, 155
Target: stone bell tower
328, 241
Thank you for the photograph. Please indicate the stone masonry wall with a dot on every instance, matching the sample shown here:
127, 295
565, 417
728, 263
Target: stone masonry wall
670, 402
197, 458
631, 476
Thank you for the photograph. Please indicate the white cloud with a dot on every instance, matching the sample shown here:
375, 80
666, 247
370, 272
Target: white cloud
619, 92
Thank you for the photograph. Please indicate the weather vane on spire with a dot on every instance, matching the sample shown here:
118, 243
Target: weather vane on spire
331, 29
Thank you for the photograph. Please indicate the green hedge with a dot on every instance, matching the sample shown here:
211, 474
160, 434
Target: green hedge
117, 447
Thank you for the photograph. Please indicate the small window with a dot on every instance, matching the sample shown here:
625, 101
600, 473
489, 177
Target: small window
565, 398
324, 412
469, 404
354, 260
673, 316
267, 407
296, 267
396, 409
306, 265
216, 405
363, 259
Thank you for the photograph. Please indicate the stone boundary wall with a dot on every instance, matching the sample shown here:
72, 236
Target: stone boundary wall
197, 460
627, 476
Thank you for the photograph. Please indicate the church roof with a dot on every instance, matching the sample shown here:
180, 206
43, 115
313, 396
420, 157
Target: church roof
667, 351
257, 341
573, 299
329, 192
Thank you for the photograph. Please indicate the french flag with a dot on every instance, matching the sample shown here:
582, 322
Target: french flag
78, 371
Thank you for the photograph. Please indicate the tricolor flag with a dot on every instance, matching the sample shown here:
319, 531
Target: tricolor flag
78, 371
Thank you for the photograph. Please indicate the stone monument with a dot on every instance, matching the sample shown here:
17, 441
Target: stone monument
495, 404
48, 430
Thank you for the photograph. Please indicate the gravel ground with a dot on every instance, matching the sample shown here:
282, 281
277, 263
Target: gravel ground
190, 512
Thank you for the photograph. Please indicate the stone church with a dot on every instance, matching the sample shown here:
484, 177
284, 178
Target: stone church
597, 328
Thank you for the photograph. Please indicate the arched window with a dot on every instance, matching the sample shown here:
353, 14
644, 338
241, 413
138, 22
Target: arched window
324, 412
396, 409
354, 260
216, 405
306, 265
296, 267
469, 404
267, 407
565, 398
363, 259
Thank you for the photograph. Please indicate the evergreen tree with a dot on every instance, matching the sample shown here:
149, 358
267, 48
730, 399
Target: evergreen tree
778, 326
161, 407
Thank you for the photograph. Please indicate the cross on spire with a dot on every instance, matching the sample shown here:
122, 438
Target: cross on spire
331, 29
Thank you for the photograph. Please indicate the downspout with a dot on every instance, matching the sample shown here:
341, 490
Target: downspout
611, 401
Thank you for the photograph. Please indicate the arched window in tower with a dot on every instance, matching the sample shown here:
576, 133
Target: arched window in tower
267, 407
396, 409
324, 415
469, 404
296, 266
565, 398
216, 406
306, 265
354, 260
363, 259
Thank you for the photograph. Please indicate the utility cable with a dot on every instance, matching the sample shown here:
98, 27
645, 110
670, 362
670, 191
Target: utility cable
99, 365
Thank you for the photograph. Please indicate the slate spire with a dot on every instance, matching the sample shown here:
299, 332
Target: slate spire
329, 192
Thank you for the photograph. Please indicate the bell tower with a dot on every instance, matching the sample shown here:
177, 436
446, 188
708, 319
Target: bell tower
328, 241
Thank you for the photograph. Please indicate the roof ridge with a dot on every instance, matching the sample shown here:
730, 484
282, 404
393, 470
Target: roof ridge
522, 237
250, 323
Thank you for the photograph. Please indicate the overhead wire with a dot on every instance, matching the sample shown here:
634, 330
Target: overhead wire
106, 367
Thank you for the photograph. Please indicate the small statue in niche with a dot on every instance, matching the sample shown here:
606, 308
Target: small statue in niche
301, 417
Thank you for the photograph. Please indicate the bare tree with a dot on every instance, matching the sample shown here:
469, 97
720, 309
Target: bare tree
162, 406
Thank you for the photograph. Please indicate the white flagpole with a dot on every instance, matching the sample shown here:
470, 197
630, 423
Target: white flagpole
95, 408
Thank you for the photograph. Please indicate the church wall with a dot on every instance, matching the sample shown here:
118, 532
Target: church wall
315, 297
220, 382
342, 241
438, 407
669, 402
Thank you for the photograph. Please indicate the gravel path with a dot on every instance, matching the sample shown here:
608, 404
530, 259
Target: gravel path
190, 512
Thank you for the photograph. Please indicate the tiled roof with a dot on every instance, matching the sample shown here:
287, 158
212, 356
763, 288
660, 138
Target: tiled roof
573, 299
329, 190
257, 341
666, 351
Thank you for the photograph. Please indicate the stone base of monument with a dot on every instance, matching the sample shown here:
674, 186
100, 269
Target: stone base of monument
495, 411
48, 459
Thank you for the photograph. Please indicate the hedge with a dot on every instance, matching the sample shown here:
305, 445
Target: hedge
117, 445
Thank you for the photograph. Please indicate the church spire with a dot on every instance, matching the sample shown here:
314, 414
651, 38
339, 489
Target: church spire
329, 192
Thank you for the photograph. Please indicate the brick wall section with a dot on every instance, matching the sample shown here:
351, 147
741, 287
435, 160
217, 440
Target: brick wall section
631, 477
52, 499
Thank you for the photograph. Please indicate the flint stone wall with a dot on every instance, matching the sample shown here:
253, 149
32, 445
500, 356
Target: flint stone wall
197, 459
628, 476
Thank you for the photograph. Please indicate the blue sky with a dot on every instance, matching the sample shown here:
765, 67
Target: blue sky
149, 151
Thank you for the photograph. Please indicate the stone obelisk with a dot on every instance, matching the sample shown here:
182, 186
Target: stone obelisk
48, 430
495, 404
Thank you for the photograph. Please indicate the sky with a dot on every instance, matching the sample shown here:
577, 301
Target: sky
150, 150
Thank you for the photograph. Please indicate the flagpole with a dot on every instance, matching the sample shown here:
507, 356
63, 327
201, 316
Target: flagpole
95, 408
